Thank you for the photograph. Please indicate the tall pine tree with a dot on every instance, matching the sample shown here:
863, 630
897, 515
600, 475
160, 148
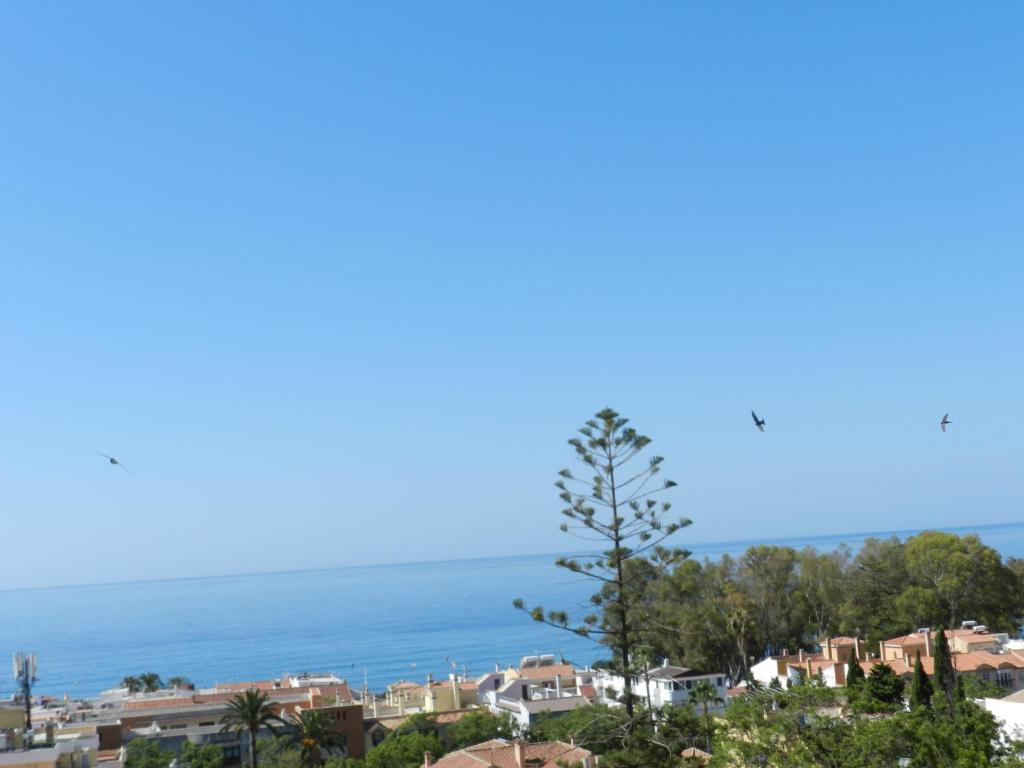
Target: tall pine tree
854, 671
945, 675
618, 507
920, 686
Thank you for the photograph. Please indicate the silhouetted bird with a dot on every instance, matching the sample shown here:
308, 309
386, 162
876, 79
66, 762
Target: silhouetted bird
944, 422
759, 423
116, 463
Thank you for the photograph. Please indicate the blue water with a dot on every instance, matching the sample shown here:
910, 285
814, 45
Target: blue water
397, 621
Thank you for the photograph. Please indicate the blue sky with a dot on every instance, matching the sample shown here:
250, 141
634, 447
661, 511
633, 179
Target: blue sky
337, 281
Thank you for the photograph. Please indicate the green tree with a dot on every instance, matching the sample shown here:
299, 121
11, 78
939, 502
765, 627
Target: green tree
151, 681
617, 506
249, 712
967, 578
313, 734
404, 750
132, 683
599, 728
854, 672
179, 681
277, 752
145, 753
884, 686
706, 695
477, 727
921, 690
820, 583
976, 688
945, 674
201, 756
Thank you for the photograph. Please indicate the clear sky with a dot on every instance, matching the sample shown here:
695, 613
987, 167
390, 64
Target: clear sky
338, 280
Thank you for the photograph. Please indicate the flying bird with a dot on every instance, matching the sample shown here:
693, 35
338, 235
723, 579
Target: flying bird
944, 422
116, 462
759, 423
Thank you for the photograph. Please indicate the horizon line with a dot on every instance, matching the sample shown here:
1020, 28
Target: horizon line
728, 543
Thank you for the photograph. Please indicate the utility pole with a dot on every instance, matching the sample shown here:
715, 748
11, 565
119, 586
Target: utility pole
25, 674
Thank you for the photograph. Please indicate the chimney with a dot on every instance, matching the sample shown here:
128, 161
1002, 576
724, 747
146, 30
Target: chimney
856, 648
519, 753
828, 648
927, 643
428, 759
800, 654
881, 649
558, 686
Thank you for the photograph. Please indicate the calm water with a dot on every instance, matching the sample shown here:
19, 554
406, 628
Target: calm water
395, 622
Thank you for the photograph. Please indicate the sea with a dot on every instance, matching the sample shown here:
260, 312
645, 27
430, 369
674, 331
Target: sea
371, 625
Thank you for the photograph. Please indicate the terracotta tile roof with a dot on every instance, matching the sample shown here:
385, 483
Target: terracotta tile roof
499, 753
587, 691
974, 661
442, 718
918, 637
181, 701
696, 755
548, 672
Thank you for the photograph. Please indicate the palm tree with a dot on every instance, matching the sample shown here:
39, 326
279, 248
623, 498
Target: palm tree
151, 681
706, 694
314, 734
132, 683
178, 681
250, 711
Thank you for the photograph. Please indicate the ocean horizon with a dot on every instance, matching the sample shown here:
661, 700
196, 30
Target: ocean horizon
372, 624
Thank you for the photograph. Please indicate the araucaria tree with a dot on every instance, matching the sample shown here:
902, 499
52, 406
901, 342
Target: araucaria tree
618, 506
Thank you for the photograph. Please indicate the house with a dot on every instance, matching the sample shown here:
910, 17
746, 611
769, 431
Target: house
173, 718
525, 701
828, 665
969, 638
1003, 669
51, 749
1009, 711
501, 753
449, 696
662, 685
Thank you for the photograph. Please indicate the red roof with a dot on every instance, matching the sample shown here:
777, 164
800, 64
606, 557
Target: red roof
499, 753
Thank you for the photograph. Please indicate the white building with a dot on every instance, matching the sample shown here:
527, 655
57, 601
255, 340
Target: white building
1009, 711
666, 684
524, 700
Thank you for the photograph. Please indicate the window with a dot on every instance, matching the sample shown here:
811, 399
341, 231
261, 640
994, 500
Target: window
689, 684
719, 682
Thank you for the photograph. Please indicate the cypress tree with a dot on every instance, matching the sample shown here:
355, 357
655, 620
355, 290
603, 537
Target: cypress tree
945, 675
854, 672
959, 693
920, 686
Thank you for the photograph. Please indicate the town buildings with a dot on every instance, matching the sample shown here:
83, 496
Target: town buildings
662, 685
990, 656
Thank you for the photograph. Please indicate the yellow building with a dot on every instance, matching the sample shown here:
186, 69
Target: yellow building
72, 750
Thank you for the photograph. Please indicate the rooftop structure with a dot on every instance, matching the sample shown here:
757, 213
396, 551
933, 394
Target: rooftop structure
500, 753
